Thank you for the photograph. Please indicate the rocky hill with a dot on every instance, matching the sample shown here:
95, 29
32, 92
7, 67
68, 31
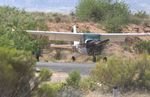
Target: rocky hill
93, 27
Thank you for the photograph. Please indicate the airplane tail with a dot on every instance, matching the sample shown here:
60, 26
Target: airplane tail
74, 29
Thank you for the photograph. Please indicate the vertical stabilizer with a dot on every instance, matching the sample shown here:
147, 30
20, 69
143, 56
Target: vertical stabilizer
74, 29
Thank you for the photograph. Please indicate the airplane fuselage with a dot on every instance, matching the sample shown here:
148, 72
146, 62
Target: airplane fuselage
92, 47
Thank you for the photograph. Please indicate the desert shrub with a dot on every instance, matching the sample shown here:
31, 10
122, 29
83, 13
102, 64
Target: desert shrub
141, 14
135, 20
45, 74
58, 54
114, 15
13, 24
124, 73
114, 24
90, 10
140, 17
16, 71
138, 20
57, 19
85, 31
87, 84
49, 90
143, 46
73, 79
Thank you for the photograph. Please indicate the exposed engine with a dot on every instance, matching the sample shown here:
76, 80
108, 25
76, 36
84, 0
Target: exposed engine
95, 47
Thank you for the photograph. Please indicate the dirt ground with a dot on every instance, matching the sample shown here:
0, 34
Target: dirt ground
129, 94
81, 27
93, 27
59, 77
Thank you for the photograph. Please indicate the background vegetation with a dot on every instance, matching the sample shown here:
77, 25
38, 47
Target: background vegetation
143, 47
17, 76
141, 17
16, 71
114, 15
16, 61
124, 73
13, 23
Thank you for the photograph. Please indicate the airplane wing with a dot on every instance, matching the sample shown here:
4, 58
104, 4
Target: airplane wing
69, 36
121, 36
63, 36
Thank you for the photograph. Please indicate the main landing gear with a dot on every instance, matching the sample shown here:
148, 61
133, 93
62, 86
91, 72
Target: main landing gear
73, 58
94, 58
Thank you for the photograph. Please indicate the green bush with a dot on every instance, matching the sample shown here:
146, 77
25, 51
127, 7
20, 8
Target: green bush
45, 74
141, 14
139, 20
73, 79
58, 54
12, 26
125, 73
114, 24
87, 84
49, 90
135, 20
16, 71
114, 15
143, 46
88, 10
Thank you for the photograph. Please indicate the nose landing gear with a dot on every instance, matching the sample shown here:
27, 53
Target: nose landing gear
94, 56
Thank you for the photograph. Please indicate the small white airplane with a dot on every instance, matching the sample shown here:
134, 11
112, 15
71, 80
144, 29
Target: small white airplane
87, 43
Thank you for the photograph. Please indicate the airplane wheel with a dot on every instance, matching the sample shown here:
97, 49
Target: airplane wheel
94, 58
73, 58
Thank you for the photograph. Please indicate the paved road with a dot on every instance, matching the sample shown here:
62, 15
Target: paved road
84, 68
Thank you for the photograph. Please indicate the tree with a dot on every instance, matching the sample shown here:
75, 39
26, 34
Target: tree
16, 71
90, 10
17, 75
13, 24
114, 15
16, 61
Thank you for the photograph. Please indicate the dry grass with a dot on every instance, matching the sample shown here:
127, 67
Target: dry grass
116, 49
65, 56
59, 77
130, 94
136, 94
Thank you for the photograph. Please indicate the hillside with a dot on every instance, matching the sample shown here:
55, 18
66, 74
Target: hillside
81, 27
93, 27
